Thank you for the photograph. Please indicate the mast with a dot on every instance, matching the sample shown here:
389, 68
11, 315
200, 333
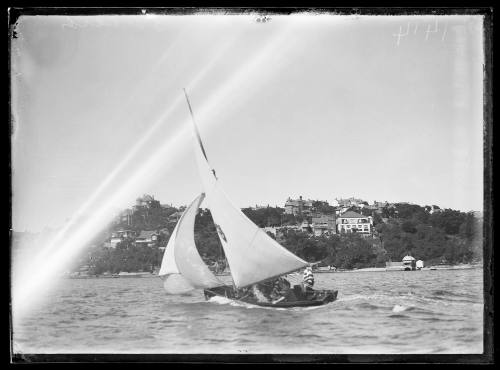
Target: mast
198, 137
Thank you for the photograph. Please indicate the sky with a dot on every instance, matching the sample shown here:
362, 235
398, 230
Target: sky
320, 106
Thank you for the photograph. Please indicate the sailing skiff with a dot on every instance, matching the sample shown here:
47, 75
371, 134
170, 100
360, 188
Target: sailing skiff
253, 256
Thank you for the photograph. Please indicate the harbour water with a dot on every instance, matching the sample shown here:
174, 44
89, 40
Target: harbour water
438, 311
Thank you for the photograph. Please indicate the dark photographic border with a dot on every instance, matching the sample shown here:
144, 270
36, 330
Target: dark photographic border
487, 357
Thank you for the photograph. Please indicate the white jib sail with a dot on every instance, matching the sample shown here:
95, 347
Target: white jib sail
182, 267
252, 255
173, 281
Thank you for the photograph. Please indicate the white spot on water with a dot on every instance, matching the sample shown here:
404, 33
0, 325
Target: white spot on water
398, 308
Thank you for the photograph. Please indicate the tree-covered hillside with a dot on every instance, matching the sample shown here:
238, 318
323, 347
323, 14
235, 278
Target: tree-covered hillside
442, 236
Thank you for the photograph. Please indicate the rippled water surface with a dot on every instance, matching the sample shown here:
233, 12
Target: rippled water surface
436, 311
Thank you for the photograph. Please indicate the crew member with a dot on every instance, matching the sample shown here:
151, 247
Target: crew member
308, 279
258, 294
280, 287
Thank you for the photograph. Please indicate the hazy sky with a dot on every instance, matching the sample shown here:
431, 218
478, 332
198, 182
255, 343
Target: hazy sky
318, 106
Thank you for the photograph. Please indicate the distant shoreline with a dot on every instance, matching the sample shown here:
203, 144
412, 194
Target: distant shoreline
114, 276
367, 269
428, 268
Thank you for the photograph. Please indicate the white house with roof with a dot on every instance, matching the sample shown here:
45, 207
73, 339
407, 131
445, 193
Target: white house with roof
351, 221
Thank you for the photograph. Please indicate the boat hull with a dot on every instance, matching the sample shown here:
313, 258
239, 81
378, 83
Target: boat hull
313, 298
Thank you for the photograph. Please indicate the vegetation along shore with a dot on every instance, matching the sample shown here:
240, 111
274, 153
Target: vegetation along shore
313, 230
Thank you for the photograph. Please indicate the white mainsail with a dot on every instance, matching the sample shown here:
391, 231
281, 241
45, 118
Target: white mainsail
252, 255
182, 267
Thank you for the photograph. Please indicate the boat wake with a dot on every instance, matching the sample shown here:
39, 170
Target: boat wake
405, 302
234, 303
224, 300
396, 303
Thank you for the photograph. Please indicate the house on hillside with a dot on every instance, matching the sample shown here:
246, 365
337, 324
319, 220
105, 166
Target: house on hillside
146, 201
149, 238
380, 204
342, 210
433, 209
323, 225
121, 235
298, 207
114, 241
351, 221
125, 234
